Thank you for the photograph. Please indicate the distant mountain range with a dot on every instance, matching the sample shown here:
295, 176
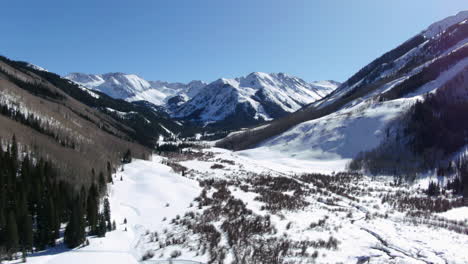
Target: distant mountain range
241, 101
131, 87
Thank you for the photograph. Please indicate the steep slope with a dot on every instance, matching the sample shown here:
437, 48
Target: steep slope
51, 124
252, 99
355, 116
73, 124
131, 87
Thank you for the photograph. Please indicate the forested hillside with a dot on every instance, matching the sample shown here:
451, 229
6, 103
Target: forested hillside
36, 199
59, 145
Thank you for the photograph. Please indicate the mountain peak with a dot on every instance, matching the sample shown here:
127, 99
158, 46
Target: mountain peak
440, 26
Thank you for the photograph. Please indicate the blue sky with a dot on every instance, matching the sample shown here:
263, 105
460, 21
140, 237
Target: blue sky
182, 40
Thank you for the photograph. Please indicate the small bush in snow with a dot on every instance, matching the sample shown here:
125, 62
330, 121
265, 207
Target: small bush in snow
148, 255
176, 254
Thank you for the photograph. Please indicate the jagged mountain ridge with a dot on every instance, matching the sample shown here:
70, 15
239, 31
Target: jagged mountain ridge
260, 96
355, 116
131, 87
250, 99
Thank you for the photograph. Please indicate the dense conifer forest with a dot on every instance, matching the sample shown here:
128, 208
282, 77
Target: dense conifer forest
36, 206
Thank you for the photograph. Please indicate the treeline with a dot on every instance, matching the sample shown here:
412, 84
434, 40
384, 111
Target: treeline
34, 202
35, 123
458, 184
426, 75
174, 147
425, 138
36, 88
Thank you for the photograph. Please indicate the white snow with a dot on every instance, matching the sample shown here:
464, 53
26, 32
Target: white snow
255, 91
39, 68
457, 214
340, 135
148, 193
442, 25
132, 87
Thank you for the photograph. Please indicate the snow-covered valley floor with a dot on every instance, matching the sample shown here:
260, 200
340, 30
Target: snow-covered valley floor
232, 207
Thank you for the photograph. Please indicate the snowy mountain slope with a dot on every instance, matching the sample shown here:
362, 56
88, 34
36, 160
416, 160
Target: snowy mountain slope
342, 134
388, 86
131, 87
440, 26
439, 40
359, 126
241, 101
258, 96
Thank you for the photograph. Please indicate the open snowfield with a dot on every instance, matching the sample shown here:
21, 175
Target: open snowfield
154, 199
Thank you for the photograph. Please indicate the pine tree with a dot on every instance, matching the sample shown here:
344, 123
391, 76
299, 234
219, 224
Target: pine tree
102, 183
109, 173
107, 213
92, 208
14, 151
75, 230
102, 226
127, 158
11, 236
27, 233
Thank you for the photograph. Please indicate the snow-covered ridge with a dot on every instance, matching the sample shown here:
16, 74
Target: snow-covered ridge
440, 26
264, 95
361, 110
132, 87
39, 68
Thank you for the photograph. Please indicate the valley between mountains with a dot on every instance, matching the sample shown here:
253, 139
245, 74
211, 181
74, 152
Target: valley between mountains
263, 168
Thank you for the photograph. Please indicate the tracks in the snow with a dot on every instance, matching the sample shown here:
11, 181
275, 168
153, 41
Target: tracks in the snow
387, 248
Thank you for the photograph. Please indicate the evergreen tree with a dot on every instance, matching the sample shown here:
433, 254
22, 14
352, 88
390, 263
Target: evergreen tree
92, 209
75, 230
102, 183
102, 226
27, 232
14, 151
109, 173
34, 202
11, 236
127, 158
107, 213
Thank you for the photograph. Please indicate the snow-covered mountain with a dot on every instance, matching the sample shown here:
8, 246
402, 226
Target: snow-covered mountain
255, 97
355, 117
131, 87
251, 99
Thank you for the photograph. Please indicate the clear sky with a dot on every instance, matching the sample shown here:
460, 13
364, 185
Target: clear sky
182, 40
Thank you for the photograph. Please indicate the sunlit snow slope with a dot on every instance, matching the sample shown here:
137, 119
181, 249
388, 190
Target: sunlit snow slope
360, 110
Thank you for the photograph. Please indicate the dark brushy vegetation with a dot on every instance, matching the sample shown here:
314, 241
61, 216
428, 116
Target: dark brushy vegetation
248, 236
